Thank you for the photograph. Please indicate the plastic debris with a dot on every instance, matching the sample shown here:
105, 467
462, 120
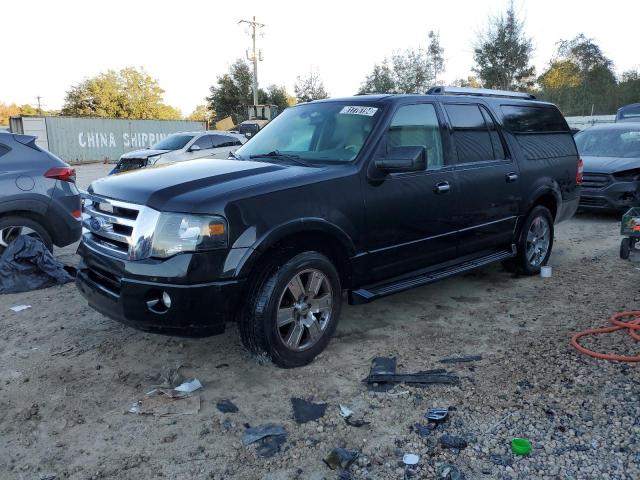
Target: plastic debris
468, 358
450, 441
26, 265
520, 446
356, 422
253, 434
382, 376
19, 308
189, 386
226, 406
410, 459
304, 411
446, 471
345, 411
341, 458
268, 446
437, 414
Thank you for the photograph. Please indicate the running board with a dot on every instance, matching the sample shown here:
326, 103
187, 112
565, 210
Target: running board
373, 292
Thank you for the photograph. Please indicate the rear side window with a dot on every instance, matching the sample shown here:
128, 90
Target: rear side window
471, 134
415, 126
224, 141
533, 119
204, 142
4, 150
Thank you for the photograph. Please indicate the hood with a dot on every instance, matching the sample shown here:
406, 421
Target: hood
609, 164
144, 153
195, 185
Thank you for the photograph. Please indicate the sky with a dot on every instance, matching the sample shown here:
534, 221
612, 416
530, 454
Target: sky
185, 45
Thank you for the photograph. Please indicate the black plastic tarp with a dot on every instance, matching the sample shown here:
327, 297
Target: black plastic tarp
26, 264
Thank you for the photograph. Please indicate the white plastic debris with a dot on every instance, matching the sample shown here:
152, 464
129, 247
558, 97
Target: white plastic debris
345, 412
546, 271
189, 386
410, 459
19, 308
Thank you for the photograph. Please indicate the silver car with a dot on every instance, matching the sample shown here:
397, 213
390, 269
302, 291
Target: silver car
179, 147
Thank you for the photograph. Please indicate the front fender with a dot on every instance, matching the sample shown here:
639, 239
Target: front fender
245, 264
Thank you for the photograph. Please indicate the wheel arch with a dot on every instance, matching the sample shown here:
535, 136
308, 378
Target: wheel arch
306, 234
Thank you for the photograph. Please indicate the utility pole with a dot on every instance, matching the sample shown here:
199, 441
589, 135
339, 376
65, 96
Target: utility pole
38, 98
255, 55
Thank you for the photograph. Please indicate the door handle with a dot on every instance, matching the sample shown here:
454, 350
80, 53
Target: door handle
442, 187
511, 177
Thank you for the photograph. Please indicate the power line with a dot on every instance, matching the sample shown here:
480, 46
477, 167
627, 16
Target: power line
255, 55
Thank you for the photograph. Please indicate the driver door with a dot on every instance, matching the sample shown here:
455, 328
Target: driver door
204, 149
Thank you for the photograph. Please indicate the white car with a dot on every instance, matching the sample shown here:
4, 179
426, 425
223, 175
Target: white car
179, 147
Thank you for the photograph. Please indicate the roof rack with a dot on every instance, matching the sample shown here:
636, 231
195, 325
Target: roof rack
479, 92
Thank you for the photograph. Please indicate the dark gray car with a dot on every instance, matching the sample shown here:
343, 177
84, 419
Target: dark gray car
38, 195
611, 155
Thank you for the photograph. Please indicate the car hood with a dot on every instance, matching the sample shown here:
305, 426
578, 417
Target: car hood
196, 185
609, 164
144, 153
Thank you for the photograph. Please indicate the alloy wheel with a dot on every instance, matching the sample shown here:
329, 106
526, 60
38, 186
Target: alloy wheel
538, 241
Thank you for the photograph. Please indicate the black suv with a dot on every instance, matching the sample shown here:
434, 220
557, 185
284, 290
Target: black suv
370, 194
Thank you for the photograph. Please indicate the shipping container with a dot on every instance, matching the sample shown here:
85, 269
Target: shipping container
76, 139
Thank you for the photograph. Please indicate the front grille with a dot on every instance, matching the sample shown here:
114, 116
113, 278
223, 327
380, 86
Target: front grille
109, 223
595, 180
592, 202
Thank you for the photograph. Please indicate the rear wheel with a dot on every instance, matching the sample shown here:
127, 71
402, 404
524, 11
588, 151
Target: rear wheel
625, 248
534, 244
293, 309
13, 226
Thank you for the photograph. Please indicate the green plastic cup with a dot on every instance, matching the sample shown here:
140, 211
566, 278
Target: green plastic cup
520, 446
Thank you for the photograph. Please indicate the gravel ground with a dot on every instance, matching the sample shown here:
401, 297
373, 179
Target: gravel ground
68, 375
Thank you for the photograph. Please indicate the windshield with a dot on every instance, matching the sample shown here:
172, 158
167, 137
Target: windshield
315, 132
623, 143
173, 142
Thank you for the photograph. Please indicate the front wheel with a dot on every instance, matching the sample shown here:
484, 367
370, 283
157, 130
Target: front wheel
293, 309
534, 244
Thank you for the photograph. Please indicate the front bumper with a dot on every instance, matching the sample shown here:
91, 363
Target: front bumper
196, 309
617, 195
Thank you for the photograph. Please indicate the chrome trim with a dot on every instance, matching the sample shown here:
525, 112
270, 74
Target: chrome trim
110, 217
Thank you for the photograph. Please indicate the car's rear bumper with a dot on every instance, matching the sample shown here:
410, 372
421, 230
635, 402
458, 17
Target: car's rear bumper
615, 196
64, 227
195, 309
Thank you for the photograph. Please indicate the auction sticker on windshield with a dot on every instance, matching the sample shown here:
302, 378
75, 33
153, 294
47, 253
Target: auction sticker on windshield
355, 110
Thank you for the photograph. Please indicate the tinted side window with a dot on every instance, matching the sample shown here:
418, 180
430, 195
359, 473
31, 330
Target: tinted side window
4, 150
223, 141
496, 140
417, 125
204, 142
470, 133
530, 119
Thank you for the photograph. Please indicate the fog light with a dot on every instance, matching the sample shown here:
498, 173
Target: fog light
158, 301
166, 299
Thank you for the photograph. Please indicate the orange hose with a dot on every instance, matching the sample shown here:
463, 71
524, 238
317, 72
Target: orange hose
631, 326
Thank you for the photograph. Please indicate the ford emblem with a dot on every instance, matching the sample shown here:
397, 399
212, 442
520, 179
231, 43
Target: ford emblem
96, 224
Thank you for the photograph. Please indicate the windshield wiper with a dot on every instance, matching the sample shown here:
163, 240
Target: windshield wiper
285, 156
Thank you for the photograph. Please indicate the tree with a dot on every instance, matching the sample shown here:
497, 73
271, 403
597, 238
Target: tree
129, 93
279, 96
629, 87
7, 111
309, 88
580, 78
503, 54
435, 54
413, 70
470, 82
232, 93
200, 114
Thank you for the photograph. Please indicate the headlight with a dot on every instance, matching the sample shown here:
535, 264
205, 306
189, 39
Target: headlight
153, 160
179, 232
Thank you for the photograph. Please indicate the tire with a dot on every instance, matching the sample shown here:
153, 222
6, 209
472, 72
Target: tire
12, 226
308, 317
529, 241
625, 248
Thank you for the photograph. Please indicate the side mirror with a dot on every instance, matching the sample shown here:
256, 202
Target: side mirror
194, 148
403, 159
